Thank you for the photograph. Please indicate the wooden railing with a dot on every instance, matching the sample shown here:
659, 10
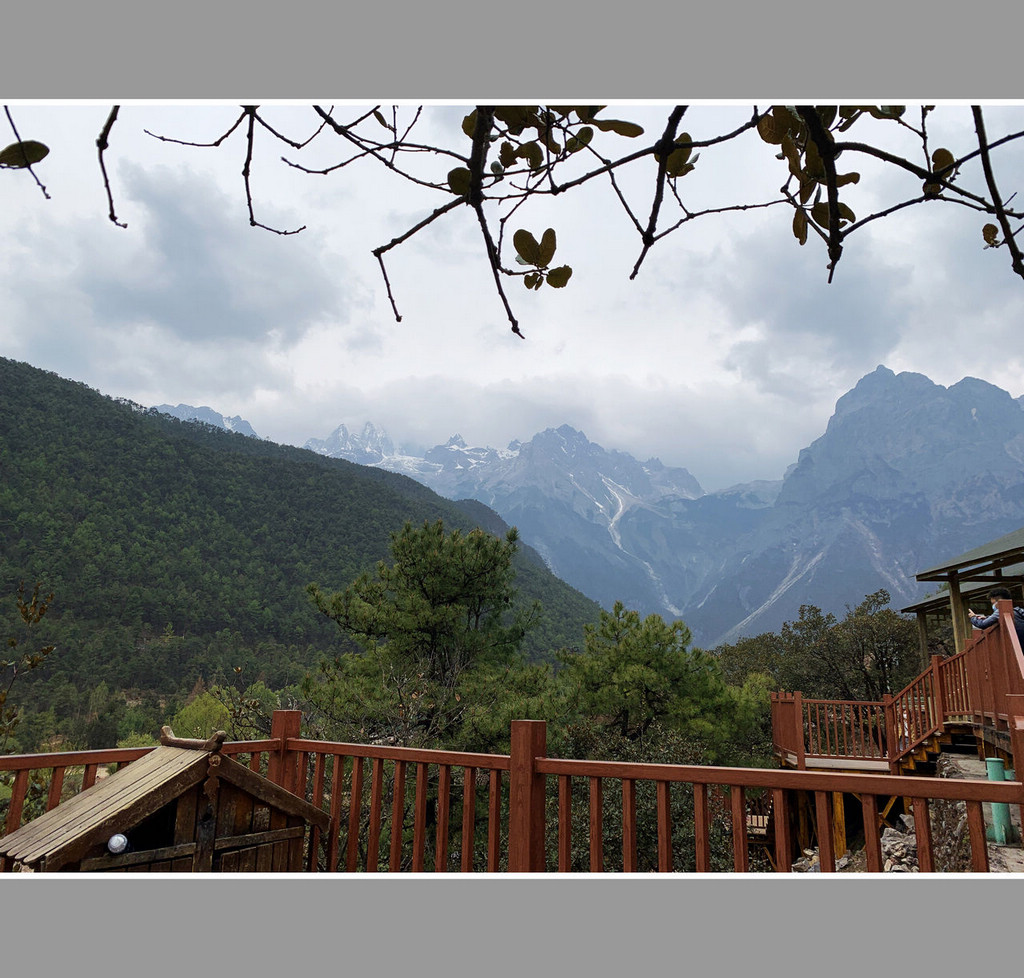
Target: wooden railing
983, 685
955, 691
458, 800
408, 810
809, 732
915, 714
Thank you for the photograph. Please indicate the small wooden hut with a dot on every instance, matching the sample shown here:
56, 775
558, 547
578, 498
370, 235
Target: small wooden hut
183, 807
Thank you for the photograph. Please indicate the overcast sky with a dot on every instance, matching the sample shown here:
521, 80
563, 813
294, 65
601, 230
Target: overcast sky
725, 355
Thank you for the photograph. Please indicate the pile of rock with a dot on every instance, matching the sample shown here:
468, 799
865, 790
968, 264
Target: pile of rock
810, 862
899, 853
899, 847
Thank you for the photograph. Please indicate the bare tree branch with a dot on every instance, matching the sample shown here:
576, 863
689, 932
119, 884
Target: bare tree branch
477, 160
1017, 263
379, 253
374, 150
28, 165
102, 144
250, 111
663, 148
185, 142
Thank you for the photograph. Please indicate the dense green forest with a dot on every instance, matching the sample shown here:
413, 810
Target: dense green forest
179, 553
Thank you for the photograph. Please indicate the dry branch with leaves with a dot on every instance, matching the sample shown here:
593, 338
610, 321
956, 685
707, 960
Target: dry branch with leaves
507, 157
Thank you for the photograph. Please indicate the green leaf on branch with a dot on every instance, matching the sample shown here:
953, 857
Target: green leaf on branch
532, 153
814, 167
459, 180
559, 277
516, 117
991, 235
849, 114
827, 114
547, 247
20, 155
885, 111
789, 148
769, 130
581, 140
800, 226
527, 247
820, 214
586, 113
622, 128
942, 158
469, 124
788, 119
678, 163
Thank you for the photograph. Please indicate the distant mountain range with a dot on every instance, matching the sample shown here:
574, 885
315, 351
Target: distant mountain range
906, 473
185, 412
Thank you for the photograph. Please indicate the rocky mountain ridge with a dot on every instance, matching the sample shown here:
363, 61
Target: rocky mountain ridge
186, 412
907, 472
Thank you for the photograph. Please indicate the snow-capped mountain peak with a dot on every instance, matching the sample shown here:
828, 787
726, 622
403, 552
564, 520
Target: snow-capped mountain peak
186, 412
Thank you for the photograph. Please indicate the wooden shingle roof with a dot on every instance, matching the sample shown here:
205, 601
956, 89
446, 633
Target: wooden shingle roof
136, 791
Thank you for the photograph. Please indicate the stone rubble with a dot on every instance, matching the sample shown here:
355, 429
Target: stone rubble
899, 853
950, 838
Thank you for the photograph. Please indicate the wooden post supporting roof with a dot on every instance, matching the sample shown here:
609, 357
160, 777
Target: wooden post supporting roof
956, 608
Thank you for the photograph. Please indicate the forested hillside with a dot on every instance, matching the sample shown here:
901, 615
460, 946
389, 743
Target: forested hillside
178, 552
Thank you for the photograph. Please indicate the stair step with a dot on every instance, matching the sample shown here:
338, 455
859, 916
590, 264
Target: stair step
960, 748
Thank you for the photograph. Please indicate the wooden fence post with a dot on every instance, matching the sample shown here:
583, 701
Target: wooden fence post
940, 691
893, 729
526, 797
281, 766
798, 727
1015, 709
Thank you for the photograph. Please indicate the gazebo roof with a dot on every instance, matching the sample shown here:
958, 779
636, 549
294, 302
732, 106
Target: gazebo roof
1005, 554
938, 604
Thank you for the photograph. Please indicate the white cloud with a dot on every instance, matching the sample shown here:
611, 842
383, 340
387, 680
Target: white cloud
725, 354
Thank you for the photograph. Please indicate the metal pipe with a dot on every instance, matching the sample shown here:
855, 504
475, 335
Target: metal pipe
1001, 830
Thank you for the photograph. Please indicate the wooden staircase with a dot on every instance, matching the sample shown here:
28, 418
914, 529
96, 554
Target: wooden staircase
921, 760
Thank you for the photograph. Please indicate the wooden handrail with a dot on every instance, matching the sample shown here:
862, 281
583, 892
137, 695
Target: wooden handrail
383, 833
